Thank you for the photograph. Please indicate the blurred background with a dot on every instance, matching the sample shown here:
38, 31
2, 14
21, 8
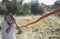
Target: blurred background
26, 11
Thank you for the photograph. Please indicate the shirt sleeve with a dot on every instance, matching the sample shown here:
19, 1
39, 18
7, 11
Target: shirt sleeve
14, 25
0, 24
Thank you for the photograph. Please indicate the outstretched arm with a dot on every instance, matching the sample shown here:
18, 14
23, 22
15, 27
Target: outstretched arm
14, 21
19, 28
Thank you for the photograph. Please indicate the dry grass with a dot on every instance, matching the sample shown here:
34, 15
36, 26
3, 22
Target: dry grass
35, 31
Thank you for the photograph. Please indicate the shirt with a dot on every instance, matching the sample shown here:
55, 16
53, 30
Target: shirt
11, 34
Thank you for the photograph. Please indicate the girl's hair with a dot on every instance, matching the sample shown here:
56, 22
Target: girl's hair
9, 15
12, 18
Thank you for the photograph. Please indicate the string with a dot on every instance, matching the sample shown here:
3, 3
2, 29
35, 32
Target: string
44, 16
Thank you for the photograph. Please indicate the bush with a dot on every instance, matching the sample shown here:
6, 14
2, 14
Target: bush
37, 9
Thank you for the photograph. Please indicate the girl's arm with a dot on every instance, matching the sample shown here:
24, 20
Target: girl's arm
8, 29
14, 21
17, 26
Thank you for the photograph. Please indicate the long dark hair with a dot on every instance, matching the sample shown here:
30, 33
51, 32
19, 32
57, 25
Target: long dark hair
12, 18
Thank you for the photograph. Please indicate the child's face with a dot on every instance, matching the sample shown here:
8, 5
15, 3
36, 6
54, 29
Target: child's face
8, 18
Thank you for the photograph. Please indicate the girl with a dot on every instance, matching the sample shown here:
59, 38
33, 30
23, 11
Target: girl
8, 26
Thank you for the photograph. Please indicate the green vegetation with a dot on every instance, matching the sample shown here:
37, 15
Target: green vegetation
18, 8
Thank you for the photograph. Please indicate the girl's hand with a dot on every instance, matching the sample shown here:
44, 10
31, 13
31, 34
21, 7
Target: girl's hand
13, 20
